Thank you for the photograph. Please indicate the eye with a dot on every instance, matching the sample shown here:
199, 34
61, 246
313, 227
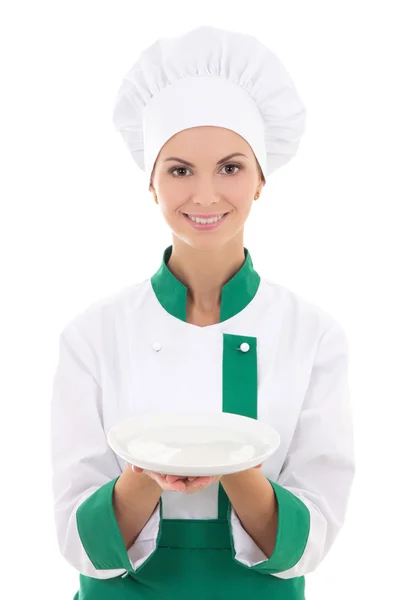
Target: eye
173, 169
234, 166
177, 169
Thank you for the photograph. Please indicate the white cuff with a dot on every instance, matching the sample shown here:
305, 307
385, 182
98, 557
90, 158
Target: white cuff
146, 542
247, 551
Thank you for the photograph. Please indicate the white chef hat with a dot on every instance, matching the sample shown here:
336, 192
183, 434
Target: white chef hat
209, 76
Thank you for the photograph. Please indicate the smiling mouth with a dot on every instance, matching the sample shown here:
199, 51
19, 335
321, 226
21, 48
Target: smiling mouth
199, 217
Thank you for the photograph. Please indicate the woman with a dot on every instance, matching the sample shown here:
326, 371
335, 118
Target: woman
208, 117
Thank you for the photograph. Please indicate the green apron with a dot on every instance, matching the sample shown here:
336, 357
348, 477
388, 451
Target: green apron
194, 558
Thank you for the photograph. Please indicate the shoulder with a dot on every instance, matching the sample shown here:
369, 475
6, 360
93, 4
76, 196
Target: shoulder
105, 313
300, 312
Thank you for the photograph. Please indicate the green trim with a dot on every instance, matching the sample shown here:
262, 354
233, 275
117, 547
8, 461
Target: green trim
239, 371
100, 533
240, 389
236, 294
99, 530
292, 533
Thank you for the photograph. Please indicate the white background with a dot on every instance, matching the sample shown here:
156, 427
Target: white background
78, 223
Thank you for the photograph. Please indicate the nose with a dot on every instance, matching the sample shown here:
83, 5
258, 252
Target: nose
205, 194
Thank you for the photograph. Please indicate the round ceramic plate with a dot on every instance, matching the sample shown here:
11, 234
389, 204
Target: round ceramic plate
195, 444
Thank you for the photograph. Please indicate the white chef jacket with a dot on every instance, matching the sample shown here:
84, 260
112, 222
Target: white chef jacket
133, 353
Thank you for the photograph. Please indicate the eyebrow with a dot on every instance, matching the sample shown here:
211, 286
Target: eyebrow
189, 164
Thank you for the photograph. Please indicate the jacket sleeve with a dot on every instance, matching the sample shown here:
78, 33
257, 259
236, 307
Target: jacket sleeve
314, 485
85, 470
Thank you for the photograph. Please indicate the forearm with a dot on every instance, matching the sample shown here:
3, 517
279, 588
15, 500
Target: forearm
254, 501
134, 499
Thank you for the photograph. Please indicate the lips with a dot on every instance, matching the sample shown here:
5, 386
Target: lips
206, 226
204, 216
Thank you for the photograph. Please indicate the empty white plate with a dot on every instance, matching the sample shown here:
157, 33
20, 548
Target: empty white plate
195, 444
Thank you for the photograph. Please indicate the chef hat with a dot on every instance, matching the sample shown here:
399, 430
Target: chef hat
209, 76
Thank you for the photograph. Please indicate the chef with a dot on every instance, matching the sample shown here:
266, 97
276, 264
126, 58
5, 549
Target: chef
207, 117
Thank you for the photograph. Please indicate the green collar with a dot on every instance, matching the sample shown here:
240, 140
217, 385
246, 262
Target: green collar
236, 293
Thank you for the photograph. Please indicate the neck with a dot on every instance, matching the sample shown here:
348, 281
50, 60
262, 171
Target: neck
204, 271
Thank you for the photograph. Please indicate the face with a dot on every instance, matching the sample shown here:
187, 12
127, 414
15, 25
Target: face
206, 186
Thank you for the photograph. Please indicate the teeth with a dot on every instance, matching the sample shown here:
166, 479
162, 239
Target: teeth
204, 221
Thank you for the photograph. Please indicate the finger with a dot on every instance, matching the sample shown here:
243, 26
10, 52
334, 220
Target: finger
173, 482
136, 469
178, 486
203, 480
163, 482
192, 488
174, 478
197, 485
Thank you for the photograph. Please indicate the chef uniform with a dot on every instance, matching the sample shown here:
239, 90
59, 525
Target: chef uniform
273, 356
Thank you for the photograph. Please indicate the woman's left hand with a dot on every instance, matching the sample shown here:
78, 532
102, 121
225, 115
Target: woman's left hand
197, 484
192, 484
